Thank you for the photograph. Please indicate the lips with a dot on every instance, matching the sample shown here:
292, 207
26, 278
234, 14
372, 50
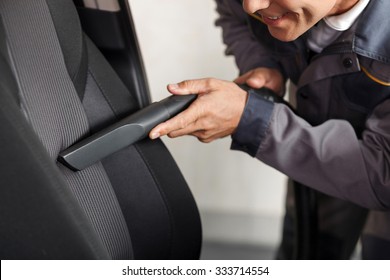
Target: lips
273, 19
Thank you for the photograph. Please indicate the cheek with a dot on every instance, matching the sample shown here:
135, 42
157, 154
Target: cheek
314, 13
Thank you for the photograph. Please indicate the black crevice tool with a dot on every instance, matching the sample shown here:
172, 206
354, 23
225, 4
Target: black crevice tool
123, 133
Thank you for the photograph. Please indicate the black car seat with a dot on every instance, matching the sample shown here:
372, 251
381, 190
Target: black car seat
55, 89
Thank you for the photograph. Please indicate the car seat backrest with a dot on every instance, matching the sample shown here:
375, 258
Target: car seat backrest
33, 194
56, 114
66, 90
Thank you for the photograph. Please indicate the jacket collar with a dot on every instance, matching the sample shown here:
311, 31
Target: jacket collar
372, 36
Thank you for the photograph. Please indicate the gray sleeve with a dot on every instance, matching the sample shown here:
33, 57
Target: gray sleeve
330, 158
237, 36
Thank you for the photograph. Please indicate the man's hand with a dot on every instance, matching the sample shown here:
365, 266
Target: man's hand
214, 114
263, 77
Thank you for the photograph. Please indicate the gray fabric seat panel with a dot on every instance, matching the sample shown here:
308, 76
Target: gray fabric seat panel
30, 185
37, 197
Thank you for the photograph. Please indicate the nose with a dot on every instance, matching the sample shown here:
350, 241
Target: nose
252, 6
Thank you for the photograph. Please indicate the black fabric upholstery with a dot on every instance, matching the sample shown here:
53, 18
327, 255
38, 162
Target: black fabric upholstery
115, 93
186, 228
114, 34
158, 207
143, 206
73, 47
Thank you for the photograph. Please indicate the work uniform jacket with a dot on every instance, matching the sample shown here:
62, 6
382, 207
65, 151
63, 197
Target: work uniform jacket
338, 139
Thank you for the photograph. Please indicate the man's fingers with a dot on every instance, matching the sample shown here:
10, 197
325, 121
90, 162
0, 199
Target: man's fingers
155, 132
242, 79
252, 79
192, 86
179, 122
191, 129
255, 82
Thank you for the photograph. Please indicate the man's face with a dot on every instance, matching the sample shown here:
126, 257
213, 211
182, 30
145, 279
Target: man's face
289, 19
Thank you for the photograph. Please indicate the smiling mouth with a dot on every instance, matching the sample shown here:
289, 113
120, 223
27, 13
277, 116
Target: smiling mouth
274, 17
272, 20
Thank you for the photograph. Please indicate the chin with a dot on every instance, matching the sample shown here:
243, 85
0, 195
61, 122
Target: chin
284, 36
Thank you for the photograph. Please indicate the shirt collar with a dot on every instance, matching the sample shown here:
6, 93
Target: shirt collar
344, 21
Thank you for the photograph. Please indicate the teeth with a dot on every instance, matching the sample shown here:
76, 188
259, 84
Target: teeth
274, 18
